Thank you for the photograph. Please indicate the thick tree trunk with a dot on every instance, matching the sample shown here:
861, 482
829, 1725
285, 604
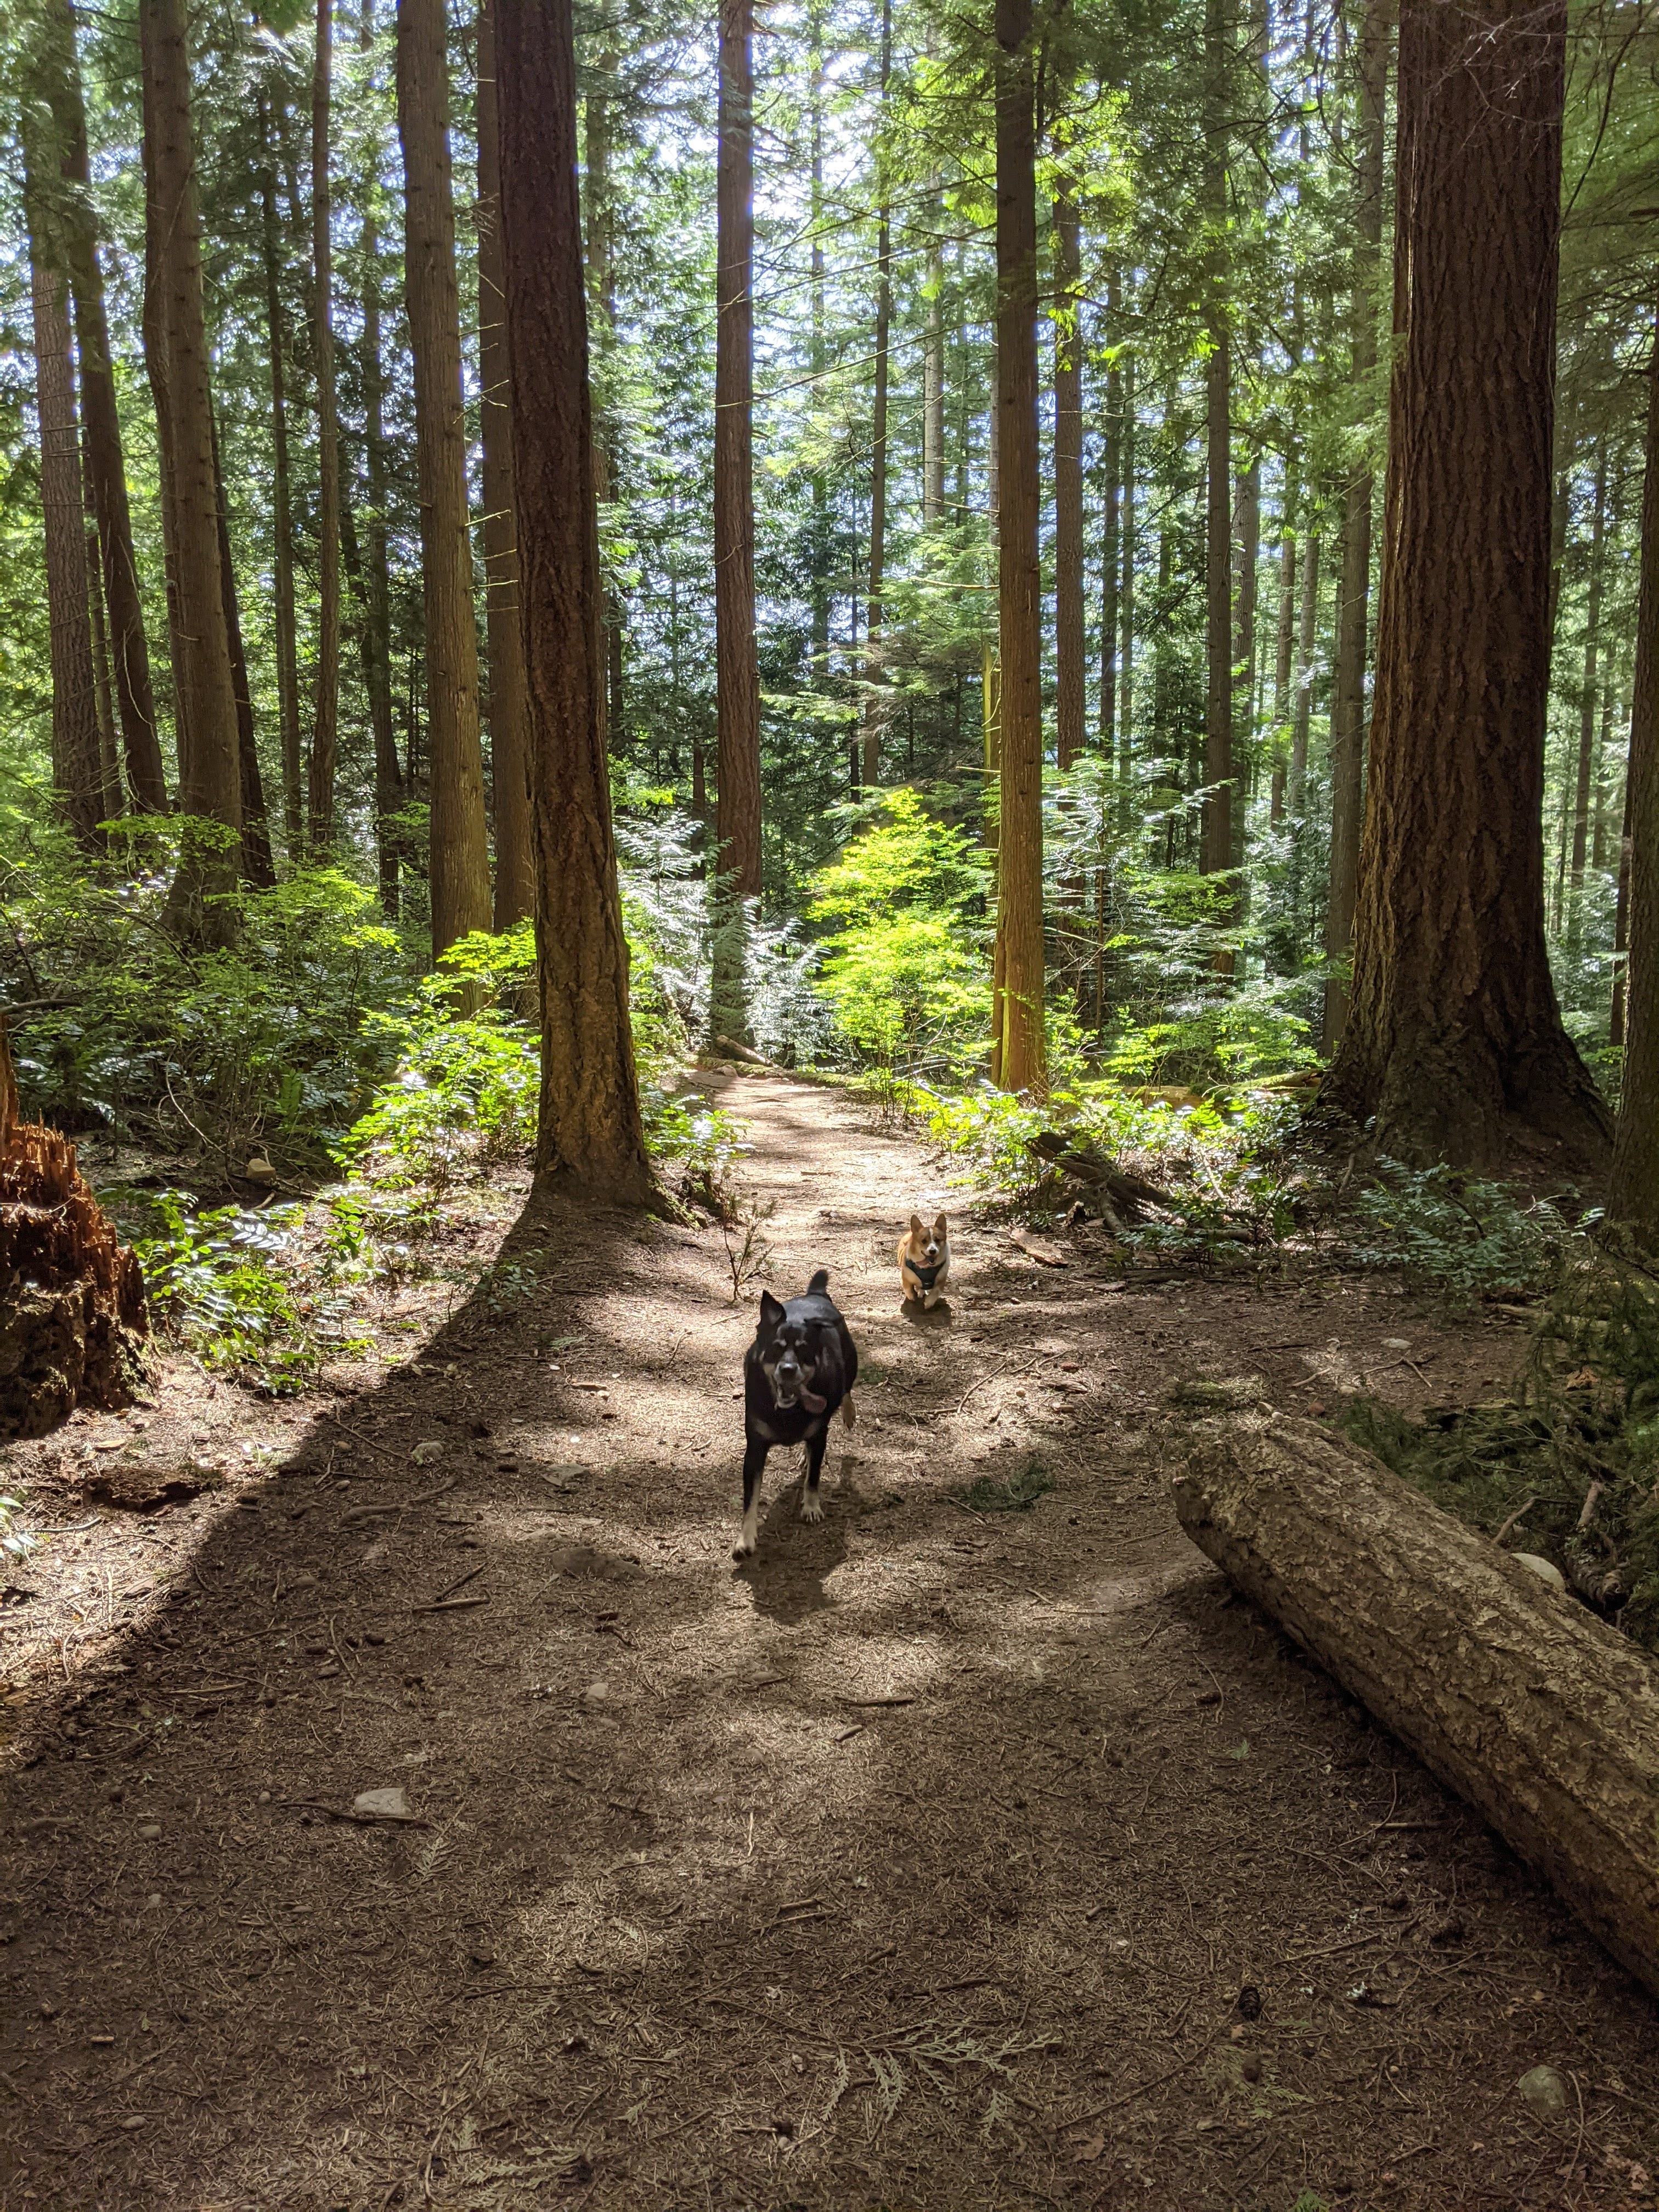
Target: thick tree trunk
737, 674
820, 545
1248, 534
600, 235
1023, 1063
1633, 1191
288, 673
325, 721
1307, 640
1069, 647
1348, 698
258, 866
135, 700
209, 767
1544, 1718
590, 1141
515, 891
72, 1313
1454, 1036
459, 859
77, 766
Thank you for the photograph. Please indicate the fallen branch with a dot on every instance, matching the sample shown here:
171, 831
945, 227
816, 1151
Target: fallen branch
402, 1506
1542, 1717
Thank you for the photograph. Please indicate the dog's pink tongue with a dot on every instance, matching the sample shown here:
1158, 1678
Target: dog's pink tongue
813, 1402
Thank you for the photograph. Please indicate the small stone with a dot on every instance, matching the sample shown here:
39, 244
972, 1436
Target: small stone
149, 1829
133, 2120
153, 1900
427, 1454
381, 1805
597, 1694
1546, 1570
1543, 2089
265, 1797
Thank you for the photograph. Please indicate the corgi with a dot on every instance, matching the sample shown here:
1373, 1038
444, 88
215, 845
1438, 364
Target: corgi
924, 1260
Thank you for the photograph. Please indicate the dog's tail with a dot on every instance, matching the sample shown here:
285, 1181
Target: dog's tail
850, 1412
819, 1283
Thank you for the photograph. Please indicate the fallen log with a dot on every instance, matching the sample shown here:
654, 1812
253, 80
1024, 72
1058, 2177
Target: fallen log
1543, 1717
72, 1312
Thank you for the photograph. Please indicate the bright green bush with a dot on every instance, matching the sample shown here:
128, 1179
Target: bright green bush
905, 964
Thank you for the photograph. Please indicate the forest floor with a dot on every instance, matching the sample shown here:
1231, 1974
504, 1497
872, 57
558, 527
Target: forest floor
920, 1863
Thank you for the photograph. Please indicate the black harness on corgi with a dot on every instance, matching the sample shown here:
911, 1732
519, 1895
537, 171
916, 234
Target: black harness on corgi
925, 1276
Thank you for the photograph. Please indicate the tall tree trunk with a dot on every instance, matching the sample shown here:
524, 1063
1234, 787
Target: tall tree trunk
589, 1142
460, 846
209, 770
1285, 655
1249, 552
287, 671
1353, 612
325, 731
1019, 848
1069, 648
933, 378
76, 766
1633, 1187
1216, 849
515, 889
103, 686
737, 676
1454, 1033
389, 838
1587, 701
820, 551
1126, 601
258, 866
601, 281
1111, 547
135, 700
873, 715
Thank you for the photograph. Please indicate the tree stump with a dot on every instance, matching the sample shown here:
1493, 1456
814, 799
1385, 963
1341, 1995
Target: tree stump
73, 1318
1543, 1717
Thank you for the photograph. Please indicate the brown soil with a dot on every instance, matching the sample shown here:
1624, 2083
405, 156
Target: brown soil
921, 1863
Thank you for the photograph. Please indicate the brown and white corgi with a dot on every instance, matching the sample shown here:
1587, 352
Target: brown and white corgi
924, 1259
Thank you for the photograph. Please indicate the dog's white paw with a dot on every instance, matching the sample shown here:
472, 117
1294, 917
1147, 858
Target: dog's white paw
811, 1507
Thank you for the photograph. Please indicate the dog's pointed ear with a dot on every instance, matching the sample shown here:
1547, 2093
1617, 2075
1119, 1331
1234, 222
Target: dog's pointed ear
940, 1227
771, 1312
915, 1225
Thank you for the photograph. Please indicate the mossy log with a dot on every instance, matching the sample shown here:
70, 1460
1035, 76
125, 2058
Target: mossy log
73, 1318
1543, 1717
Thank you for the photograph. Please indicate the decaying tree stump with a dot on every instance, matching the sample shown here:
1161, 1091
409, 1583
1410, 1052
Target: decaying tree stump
1542, 1716
72, 1314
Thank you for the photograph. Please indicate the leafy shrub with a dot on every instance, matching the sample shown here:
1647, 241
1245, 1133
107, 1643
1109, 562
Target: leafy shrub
905, 967
217, 1282
1453, 1234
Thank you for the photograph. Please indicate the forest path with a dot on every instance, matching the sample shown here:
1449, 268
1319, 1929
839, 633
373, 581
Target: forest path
919, 1864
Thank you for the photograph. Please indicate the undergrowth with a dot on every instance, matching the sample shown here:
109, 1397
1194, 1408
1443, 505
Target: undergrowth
1568, 1468
1015, 1493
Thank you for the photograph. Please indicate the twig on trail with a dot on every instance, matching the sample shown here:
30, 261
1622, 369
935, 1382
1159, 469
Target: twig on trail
384, 1451
856, 1701
472, 1575
1139, 2090
212, 1588
401, 1505
1515, 1520
450, 1605
988, 1376
847, 1735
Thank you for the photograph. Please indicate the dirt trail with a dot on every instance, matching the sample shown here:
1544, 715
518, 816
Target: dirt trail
920, 1863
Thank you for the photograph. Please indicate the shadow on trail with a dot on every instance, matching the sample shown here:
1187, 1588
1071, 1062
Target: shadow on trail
904, 1864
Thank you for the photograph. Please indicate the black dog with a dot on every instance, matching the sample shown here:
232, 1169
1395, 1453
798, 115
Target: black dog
802, 1364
